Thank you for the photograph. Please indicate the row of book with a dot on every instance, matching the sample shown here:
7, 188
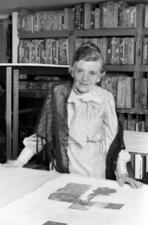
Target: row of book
44, 20
86, 16
34, 85
104, 15
49, 51
123, 90
133, 122
140, 166
37, 84
115, 50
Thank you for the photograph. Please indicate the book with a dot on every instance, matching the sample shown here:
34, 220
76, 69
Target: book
146, 16
145, 50
115, 50
48, 46
54, 51
121, 92
77, 11
87, 9
107, 14
97, 18
144, 93
63, 51
138, 166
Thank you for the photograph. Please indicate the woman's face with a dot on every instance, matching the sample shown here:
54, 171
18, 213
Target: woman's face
86, 74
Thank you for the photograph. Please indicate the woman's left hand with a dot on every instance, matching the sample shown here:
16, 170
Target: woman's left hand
124, 178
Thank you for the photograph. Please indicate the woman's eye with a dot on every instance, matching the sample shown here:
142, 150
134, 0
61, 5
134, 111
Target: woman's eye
92, 73
79, 71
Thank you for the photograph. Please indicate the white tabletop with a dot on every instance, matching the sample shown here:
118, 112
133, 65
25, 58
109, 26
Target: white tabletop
16, 182
32, 206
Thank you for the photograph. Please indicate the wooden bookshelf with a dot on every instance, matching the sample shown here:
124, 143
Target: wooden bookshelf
136, 31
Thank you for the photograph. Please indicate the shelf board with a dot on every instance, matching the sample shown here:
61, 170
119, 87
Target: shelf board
44, 34
33, 93
38, 69
78, 33
29, 110
133, 111
105, 32
33, 65
120, 68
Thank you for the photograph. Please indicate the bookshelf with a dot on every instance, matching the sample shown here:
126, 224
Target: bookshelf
12, 73
85, 27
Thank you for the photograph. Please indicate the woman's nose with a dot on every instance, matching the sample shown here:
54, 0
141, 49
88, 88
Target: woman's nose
85, 76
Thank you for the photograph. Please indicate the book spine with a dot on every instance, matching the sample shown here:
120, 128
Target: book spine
77, 11
146, 16
87, 15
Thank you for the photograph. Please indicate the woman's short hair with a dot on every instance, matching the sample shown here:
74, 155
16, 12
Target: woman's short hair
88, 51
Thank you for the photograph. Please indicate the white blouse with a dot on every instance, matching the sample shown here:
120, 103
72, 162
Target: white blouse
92, 125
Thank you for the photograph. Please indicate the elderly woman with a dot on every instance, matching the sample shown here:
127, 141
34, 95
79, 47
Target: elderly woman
79, 125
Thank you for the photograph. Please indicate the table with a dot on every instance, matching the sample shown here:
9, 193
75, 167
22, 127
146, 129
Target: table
24, 198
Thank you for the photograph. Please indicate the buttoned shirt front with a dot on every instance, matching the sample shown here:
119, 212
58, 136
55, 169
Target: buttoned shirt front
92, 125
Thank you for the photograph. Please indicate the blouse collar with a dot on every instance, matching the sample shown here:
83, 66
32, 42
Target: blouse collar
91, 96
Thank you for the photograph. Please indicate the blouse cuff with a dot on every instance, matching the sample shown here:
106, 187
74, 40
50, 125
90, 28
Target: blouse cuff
123, 158
25, 156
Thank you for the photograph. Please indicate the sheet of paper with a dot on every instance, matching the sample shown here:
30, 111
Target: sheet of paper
36, 208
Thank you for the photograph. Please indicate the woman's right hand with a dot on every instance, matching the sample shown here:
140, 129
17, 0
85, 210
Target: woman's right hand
13, 163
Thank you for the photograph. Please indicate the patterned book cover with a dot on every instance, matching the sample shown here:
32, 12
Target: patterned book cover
42, 51
109, 51
103, 45
129, 93
132, 16
36, 22
48, 46
121, 51
115, 16
87, 8
146, 16
97, 18
145, 50
54, 51
126, 50
107, 14
110, 84
121, 5
77, 10
121, 92
131, 51
144, 93
63, 51
115, 50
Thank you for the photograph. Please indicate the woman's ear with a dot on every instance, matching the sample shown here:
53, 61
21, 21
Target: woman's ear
71, 71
